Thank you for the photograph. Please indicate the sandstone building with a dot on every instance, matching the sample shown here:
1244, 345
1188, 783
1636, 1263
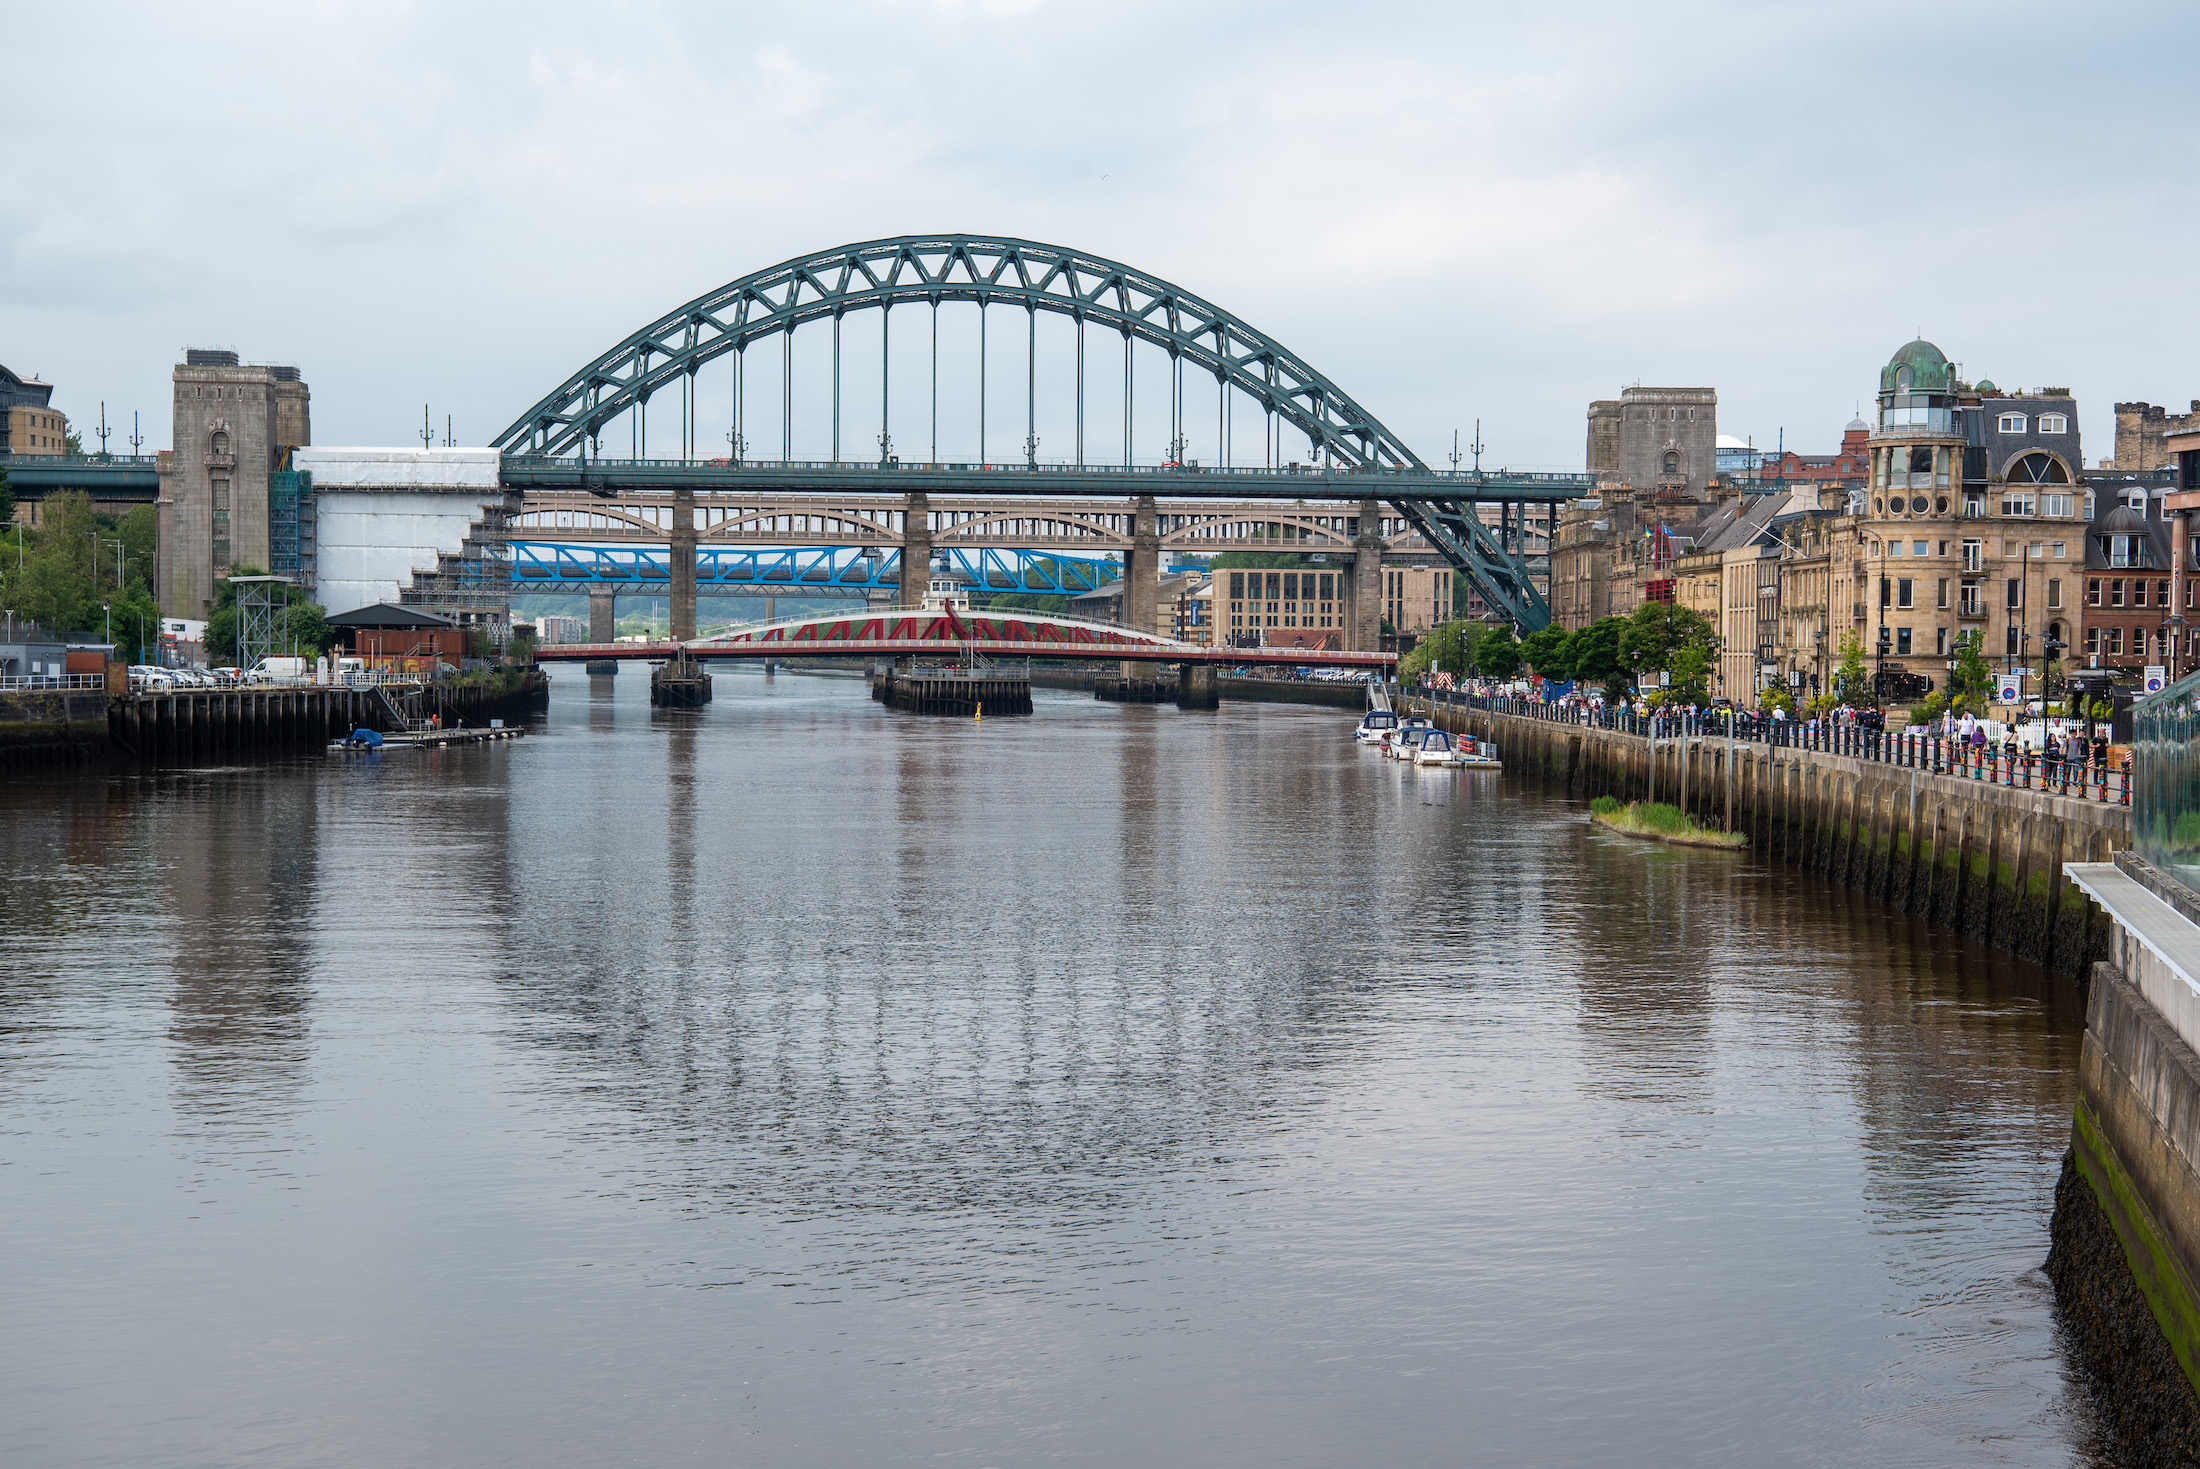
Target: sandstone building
28, 422
2142, 432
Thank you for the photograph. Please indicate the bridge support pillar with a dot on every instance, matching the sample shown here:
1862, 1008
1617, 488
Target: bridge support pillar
1366, 631
1195, 686
683, 564
916, 551
603, 626
1142, 568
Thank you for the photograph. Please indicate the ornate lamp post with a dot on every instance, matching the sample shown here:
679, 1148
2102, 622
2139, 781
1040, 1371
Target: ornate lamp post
1879, 671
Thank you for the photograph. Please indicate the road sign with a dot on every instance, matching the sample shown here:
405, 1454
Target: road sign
2009, 692
2157, 678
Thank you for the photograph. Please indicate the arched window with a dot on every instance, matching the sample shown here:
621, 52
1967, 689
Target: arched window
2054, 423
2013, 423
220, 445
2038, 469
1902, 379
1672, 463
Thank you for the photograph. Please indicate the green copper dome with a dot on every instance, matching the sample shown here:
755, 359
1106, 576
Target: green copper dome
1929, 372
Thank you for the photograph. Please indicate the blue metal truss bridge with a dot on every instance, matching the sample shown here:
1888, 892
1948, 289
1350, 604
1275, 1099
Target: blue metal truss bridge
547, 566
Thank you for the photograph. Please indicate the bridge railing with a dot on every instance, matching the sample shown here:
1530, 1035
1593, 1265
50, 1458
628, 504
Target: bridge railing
1464, 478
2079, 777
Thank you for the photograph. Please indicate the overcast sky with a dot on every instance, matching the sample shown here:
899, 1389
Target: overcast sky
1454, 211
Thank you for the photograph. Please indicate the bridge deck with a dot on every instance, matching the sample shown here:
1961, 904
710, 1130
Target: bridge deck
1003, 651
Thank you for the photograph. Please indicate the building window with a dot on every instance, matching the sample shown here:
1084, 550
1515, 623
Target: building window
2015, 592
220, 444
1672, 464
1902, 597
2138, 594
221, 524
2054, 423
2120, 551
2054, 591
1940, 641
2055, 505
2017, 504
2037, 469
2009, 643
2116, 592
2012, 423
1940, 596
2115, 642
1974, 555
1902, 641
2161, 594
1894, 548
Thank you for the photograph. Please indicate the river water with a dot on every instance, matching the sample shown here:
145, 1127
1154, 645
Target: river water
795, 1082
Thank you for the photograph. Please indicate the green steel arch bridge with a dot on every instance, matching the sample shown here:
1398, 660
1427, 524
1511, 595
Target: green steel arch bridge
554, 451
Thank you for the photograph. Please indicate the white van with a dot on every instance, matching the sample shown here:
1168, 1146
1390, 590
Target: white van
279, 670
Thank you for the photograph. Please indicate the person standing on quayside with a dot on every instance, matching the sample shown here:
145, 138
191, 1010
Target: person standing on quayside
2100, 753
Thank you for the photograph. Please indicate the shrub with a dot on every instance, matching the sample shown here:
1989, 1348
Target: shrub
1657, 816
1605, 805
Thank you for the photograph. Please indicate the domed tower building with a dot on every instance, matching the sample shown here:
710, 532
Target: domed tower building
1974, 521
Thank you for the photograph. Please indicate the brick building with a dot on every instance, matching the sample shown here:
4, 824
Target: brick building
1847, 467
234, 427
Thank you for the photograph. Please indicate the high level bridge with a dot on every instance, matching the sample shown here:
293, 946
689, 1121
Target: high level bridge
1360, 491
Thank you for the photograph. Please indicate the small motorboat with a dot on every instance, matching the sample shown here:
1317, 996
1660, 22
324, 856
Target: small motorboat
1436, 748
1376, 727
1407, 741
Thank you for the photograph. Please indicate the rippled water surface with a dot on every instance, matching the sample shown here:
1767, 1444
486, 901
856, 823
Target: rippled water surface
800, 1083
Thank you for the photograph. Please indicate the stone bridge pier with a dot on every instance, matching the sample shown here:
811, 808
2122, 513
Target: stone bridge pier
1366, 631
916, 550
603, 626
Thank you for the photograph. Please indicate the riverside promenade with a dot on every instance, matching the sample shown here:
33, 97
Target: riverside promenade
1978, 845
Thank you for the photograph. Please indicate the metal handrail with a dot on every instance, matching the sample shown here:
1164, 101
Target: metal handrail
1907, 748
31, 681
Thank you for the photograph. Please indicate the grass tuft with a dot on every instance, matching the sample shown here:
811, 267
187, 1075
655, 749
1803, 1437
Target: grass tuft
1656, 819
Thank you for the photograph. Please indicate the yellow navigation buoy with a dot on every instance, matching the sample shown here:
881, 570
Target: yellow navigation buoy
980, 714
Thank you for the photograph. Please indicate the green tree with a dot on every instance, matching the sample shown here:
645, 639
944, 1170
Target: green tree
1971, 685
7, 500
1595, 654
1258, 561
1691, 671
1850, 682
1028, 602
1549, 652
1659, 630
301, 627
55, 585
1497, 654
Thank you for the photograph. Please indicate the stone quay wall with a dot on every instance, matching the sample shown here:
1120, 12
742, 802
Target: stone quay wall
52, 726
1984, 859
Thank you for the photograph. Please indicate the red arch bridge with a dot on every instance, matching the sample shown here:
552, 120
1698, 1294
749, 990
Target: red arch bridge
948, 635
